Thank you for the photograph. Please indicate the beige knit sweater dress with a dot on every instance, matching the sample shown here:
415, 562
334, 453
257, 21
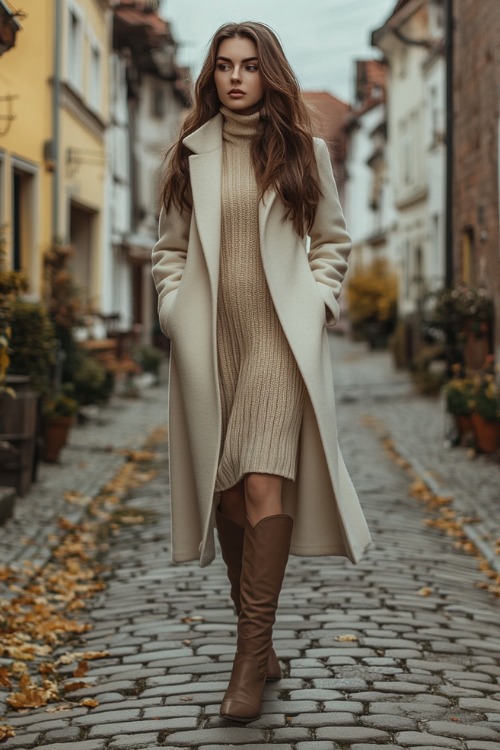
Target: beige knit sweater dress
262, 391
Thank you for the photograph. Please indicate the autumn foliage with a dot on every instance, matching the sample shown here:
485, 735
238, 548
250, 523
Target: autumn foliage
41, 608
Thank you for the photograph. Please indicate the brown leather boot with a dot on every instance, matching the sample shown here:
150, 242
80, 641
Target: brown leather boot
231, 543
265, 553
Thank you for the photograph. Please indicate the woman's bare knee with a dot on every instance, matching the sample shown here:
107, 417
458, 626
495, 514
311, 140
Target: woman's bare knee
262, 496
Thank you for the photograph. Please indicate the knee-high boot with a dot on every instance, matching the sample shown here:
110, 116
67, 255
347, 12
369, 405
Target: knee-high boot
265, 553
231, 543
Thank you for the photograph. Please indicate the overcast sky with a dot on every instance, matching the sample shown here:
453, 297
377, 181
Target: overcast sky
321, 38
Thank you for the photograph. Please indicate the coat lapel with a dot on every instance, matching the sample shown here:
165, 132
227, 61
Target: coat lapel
205, 165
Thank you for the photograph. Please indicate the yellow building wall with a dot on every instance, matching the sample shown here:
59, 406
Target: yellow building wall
82, 153
25, 72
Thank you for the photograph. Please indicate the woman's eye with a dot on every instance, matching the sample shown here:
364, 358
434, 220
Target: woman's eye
222, 66
251, 68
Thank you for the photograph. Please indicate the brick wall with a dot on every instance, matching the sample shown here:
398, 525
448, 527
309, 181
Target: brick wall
476, 116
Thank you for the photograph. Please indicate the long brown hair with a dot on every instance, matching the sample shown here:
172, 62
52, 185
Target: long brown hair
283, 151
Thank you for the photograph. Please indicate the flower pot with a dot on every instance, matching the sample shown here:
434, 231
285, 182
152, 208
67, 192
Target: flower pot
485, 434
463, 424
55, 433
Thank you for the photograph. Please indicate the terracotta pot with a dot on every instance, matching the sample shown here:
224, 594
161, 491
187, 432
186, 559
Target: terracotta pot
55, 433
485, 434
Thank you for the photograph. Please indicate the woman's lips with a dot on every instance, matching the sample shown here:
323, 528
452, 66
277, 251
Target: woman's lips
236, 94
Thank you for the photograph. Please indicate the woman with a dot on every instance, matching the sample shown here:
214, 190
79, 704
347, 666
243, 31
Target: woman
253, 438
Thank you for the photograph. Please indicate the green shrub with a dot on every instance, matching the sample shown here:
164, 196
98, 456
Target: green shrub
92, 382
460, 396
33, 344
150, 359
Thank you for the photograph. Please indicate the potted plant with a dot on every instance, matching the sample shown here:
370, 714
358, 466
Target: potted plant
486, 414
150, 359
465, 315
59, 413
459, 393
11, 284
372, 294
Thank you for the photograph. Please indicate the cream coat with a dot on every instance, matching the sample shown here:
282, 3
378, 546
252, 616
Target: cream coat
304, 288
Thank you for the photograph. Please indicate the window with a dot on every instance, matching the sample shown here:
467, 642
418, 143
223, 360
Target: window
468, 270
82, 230
23, 217
406, 146
95, 77
74, 52
158, 102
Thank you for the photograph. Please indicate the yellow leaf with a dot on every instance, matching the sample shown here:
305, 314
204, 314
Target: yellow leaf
4, 677
31, 695
6, 731
89, 702
425, 591
70, 687
81, 669
346, 637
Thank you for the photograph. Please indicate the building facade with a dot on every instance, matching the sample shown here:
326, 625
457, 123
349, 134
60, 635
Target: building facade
148, 102
91, 98
412, 43
25, 128
476, 118
80, 149
369, 202
328, 115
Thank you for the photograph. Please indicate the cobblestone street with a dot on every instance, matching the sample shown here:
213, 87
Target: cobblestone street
400, 651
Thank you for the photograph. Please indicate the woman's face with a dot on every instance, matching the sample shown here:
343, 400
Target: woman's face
237, 75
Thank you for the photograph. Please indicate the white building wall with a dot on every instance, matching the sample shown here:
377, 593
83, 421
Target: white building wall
156, 130
116, 271
408, 166
365, 222
436, 164
416, 154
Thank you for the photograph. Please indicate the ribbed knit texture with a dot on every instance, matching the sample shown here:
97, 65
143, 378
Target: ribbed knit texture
262, 392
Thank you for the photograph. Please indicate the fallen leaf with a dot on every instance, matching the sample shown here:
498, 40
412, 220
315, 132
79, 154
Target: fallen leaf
70, 687
79, 655
81, 669
4, 677
32, 695
346, 637
89, 702
6, 731
425, 591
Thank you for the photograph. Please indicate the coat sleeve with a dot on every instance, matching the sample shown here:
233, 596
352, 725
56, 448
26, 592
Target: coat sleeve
169, 258
330, 242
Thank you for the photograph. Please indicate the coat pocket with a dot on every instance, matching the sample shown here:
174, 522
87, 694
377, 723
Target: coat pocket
165, 312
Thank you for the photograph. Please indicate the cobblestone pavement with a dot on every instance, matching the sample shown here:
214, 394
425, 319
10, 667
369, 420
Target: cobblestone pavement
400, 651
93, 454
419, 428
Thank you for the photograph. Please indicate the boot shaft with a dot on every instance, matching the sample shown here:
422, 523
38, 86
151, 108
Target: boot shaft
266, 548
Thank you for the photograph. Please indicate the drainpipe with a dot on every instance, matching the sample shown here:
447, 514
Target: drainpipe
449, 145
56, 107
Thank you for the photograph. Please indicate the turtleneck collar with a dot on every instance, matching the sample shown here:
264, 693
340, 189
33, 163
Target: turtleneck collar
237, 127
